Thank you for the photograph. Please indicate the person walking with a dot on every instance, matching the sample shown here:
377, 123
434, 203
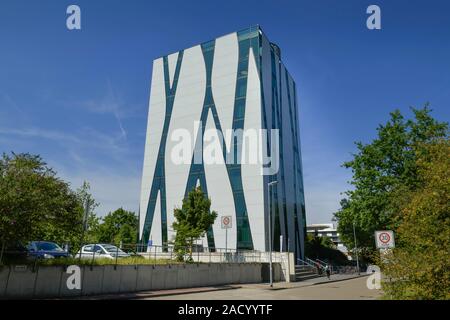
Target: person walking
328, 271
319, 269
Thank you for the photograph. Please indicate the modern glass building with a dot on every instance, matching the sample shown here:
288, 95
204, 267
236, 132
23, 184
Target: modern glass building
235, 83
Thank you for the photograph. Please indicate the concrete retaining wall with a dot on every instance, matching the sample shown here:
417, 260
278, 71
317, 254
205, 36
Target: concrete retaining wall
51, 281
285, 259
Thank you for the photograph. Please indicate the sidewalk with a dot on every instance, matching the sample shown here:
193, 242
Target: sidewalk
304, 283
155, 293
262, 286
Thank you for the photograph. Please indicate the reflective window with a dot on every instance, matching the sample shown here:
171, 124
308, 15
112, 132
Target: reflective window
248, 33
242, 68
239, 106
241, 88
244, 48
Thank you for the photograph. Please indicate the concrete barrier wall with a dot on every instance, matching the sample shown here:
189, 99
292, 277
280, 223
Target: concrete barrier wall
285, 259
51, 281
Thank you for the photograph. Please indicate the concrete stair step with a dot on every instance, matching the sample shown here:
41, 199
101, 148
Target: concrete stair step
301, 273
306, 277
305, 267
305, 270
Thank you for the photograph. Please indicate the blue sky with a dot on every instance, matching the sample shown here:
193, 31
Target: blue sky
80, 98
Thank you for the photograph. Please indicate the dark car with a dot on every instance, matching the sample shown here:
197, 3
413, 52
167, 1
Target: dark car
45, 250
15, 253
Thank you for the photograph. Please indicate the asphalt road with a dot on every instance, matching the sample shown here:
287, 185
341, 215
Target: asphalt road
352, 289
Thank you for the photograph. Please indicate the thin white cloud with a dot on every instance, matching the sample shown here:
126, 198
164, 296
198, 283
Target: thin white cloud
109, 104
87, 137
40, 133
84, 153
111, 189
9, 106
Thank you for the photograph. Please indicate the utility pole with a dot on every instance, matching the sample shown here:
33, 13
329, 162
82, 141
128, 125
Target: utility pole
356, 248
85, 223
270, 230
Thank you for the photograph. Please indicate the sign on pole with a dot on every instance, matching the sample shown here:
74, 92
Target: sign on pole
226, 222
384, 239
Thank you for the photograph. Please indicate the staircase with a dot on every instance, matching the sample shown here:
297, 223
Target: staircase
304, 272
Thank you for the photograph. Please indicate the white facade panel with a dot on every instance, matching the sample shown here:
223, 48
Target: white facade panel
187, 108
156, 231
223, 80
172, 63
219, 190
252, 179
154, 131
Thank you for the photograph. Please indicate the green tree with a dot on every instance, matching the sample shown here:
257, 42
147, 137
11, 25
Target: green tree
127, 234
92, 228
379, 168
323, 248
90, 222
34, 203
420, 264
192, 221
118, 226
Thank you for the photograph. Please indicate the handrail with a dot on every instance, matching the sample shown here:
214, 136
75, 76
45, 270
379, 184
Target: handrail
323, 262
318, 261
303, 262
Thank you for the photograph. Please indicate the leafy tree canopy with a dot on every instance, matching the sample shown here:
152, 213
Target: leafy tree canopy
379, 168
116, 227
194, 218
323, 248
35, 204
420, 262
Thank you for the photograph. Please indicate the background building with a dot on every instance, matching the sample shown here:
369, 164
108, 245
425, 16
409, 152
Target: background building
237, 81
328, 230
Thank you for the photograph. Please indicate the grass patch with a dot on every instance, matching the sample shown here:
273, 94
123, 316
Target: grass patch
134, 260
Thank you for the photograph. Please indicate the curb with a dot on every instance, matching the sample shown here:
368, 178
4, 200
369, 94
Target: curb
313, 284
338, 280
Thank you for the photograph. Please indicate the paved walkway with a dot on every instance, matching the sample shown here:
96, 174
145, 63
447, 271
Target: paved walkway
338, 287
353, 288
305, 283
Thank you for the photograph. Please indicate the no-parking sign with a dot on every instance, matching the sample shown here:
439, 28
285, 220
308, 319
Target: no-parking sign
226, 222
384, 239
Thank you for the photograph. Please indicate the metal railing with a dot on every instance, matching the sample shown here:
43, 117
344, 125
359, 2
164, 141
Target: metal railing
317, 263
323, 263
320, 265
344, 269
305, 262
137, 253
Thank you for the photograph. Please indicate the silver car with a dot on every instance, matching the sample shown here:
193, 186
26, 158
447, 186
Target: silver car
101, 250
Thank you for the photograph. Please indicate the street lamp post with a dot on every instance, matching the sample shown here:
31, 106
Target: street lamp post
270, 230
356, 248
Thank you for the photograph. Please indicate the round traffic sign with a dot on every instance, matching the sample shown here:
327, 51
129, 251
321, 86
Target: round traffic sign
384, 237
226, 221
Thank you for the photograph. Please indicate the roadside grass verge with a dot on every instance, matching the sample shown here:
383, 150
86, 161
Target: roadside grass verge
134, 260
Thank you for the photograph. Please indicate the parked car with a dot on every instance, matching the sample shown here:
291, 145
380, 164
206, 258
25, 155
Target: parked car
102, 250
45, 250
15, 252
